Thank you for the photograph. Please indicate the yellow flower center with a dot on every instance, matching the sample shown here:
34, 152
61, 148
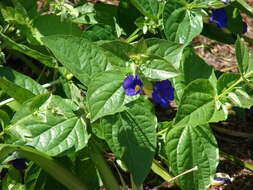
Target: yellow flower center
136, 88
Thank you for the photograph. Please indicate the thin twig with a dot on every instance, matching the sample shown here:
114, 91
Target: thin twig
186, 172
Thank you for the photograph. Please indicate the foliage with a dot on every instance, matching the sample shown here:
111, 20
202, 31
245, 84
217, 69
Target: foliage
106, 73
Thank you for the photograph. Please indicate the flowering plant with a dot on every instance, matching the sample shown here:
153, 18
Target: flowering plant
107, 70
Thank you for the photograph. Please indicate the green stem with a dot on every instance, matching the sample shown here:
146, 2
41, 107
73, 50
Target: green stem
105, 172
237, 160
159, 170
41, 73
133, 186
133, 36
233, 85
6, 101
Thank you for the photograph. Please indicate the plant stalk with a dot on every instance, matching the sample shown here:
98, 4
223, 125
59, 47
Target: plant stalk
105, 172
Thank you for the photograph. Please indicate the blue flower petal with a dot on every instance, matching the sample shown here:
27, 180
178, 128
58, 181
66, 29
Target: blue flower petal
219, 17
163, 93
244, 27
132, 85
224, 180
19, 163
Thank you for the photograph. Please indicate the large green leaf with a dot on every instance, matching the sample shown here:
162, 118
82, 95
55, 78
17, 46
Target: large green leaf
44, 59
118, 48
194, 67
44, 25
170, 6
48, 164
50, 124
190, 146
99, 32
22, 81
157, 68
105, 13
81, 57
197, 104
170, 51
148, 8
243, 56
183, 25
106, 95
131, 135
18, 93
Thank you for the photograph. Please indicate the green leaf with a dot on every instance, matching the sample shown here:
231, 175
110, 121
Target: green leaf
44, 25
131, 135
170, 51
86, 169
19, 17
170, 6
158, 69
233, 90
50, 124
241, 96
118, 48
190, 146
44, 59
225, 81
34, 178
127, 10
235, 22
215, 4
87, 14
148, 8
243, 56
191, 65
183, 25
194, 67
46, 163
99, 32
244, 7
4, 119
105, 13
220, 114
22, 81
18, 93
106, 95
12, 181
81, 57
197, 104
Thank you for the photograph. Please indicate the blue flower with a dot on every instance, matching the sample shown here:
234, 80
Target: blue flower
244, 27
223, 180
18, 163
219, 17
132, 85
163, 93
